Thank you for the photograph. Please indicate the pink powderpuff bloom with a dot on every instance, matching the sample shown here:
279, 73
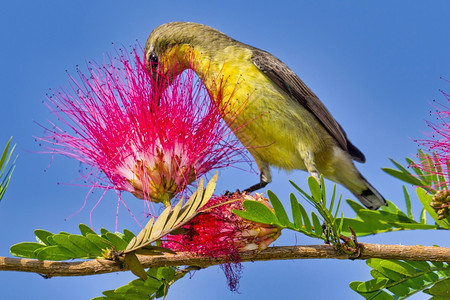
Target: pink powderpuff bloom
149, 138
218, 232
438, 143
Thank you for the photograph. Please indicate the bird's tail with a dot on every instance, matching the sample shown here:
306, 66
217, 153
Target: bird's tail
370, 197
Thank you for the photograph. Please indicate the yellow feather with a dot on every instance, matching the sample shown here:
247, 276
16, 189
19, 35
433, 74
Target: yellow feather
276, 129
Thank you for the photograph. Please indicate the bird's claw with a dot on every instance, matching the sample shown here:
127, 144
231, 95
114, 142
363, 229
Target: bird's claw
351, 246
229, 194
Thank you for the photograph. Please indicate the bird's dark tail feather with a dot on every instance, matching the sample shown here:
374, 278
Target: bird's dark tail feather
371, 198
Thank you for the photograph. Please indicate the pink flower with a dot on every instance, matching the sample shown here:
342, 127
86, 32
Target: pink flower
218, 232
438, 143
150, 139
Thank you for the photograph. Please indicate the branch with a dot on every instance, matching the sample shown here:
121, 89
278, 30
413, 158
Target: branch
101, 266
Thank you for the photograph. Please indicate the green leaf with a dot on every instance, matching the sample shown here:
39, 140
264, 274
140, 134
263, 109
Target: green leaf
84, 229
304, 194
103, 232
333, 197
158, 249
42, 235
324, 194
134, 291
378, 295
280, 212
376, 274
83, 242
305, 218
437, 264
391, 208
377, 264
408, 178
420, 265
399, 267
317, 225
360, 227
416, 226
433, 171
128, 235
402, 168
341, 222
404, 277
173, 217
401, 289
156, 285
314, 186
153, 283
441, 289
4, 160
158, 226
296, 212
386, 216
383, 220
142, 236
355, 206
167, 273
193, 203
413, 166
441, 179
98, 241
4, 154
338, 205
425, 199
25, 249
55, 252
209, 189
162, 291
257, 212
135, 266
153, 250
63, 240
408, 202
116, 240
371, 218
427, 177
372, 285
423, 216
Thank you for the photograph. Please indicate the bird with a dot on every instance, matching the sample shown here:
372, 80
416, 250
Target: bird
279, 120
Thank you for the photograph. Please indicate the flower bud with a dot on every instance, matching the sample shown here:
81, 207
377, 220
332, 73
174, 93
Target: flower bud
218, 232
441, 203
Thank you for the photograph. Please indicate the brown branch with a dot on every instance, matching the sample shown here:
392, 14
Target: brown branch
100, 266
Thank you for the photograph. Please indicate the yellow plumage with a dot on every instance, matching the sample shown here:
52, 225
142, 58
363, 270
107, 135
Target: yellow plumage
280, 121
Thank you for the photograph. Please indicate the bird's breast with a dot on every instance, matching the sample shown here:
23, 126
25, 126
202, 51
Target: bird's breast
271, 124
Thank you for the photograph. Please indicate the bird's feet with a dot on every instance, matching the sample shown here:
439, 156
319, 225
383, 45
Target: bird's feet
256, 187
351, 246
229, 194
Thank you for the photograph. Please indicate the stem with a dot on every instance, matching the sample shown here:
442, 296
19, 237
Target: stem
423, 287
100, 266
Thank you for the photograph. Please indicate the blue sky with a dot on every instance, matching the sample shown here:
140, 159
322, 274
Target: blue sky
375, 65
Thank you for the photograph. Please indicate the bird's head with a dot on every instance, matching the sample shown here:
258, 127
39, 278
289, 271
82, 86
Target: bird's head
174, 47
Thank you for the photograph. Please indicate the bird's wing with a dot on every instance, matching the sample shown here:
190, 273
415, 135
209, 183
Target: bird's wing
289, 82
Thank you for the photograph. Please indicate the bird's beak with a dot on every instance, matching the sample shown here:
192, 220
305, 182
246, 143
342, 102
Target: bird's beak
162, 72
151, 68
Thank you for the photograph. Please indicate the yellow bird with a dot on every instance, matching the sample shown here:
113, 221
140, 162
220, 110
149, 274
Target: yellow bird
278, 118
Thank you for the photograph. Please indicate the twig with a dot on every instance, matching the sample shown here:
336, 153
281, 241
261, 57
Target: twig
101, 266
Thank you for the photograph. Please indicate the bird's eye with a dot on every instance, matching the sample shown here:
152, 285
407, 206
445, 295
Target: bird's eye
153, 60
